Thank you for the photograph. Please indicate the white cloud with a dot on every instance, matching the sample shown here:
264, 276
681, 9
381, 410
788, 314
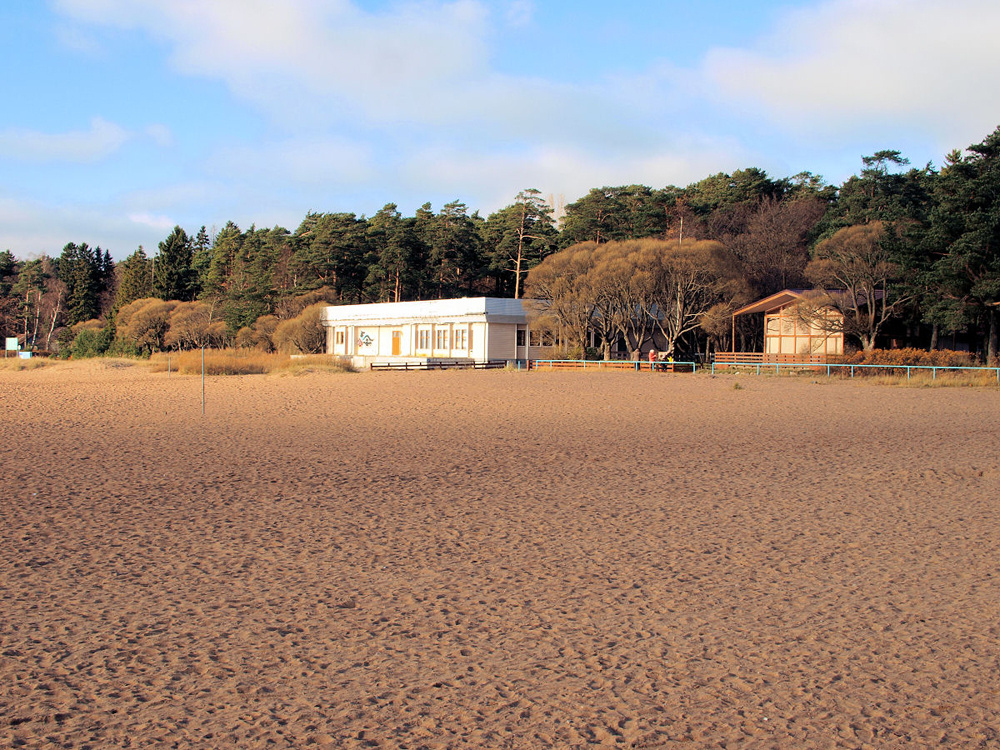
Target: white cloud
854, 64
34, 228
315, 64
571, 172
82, 146
78, 40
280, 55
153, 221
310, 161
160, 134
520, 13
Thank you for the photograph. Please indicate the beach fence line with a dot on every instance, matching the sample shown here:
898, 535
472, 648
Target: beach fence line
853, 369
613, 364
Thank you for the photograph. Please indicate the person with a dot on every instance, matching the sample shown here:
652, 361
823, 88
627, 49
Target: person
652, 359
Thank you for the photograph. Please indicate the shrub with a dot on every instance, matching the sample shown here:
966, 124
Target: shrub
242, 362
144, 323
89, 338
90, 342
259, 335
304, 333
194, 325
912, 357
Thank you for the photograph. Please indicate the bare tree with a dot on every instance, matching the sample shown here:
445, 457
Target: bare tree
193, 325
561, 289
854, 272
687, 280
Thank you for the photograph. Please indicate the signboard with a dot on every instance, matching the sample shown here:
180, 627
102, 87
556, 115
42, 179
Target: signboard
24, 355
11, 344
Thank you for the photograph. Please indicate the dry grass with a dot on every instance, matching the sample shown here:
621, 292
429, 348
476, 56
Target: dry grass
888, 376
16, 363
946, 379
242, 362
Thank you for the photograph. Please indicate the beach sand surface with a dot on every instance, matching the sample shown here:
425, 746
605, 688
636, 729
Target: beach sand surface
496, 559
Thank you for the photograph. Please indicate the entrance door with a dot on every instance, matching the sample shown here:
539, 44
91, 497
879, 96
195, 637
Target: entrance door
397, 343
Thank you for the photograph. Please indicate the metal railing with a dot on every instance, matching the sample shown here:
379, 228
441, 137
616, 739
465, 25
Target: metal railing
830, 367
614, 364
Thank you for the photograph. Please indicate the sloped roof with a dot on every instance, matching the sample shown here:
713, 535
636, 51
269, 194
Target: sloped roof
491, 309
789, 296
775, 302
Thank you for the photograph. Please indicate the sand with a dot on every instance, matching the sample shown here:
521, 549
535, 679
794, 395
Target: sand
496, 559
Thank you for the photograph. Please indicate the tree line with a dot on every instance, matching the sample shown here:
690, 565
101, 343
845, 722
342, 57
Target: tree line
916, 249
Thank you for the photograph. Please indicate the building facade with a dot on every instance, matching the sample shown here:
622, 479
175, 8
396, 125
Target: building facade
788, 333
470, 329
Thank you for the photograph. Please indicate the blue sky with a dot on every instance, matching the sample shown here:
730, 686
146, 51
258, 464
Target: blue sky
123, 118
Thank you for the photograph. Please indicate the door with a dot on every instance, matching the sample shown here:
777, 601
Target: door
397, 343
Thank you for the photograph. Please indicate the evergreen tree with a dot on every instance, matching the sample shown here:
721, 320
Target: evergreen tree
965, 234
8, 303
455, 256
616, 213
201, 258
224, 251
742, 186
135, 279
517, 238
173, 276
393, 251
81, 269
330, 251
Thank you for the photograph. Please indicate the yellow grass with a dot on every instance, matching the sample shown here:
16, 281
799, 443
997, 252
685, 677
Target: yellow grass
959, 379
243, 362
16, 363
917, 379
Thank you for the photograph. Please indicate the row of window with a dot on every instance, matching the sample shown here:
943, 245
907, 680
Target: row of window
462, 339
537, 338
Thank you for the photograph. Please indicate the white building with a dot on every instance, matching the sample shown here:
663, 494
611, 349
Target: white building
471, 329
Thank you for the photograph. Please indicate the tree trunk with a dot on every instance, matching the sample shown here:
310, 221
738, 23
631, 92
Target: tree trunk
991, 345
934, 337
52, 327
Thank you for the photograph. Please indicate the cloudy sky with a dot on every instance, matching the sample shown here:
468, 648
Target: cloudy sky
123, 118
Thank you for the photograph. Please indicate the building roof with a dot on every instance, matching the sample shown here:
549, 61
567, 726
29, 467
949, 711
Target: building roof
789, 296
490, 309
776, 301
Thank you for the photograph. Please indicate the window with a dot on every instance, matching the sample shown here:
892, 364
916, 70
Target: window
340, 338
460, 339
520, 337
423, 339
441, 341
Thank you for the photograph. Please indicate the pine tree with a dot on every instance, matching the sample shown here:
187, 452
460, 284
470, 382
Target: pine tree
135, 279
173, 277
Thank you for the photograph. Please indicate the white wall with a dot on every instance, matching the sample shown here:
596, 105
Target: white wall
503, 344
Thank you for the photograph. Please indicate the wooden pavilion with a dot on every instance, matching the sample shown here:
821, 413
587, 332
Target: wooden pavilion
790, 336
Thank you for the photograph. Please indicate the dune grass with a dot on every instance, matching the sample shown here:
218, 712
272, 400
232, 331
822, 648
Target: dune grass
243, 362
946, 379
16, 363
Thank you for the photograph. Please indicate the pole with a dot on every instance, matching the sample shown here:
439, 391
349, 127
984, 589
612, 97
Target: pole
203, 381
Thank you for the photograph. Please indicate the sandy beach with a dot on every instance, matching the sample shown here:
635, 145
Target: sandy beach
496, 559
